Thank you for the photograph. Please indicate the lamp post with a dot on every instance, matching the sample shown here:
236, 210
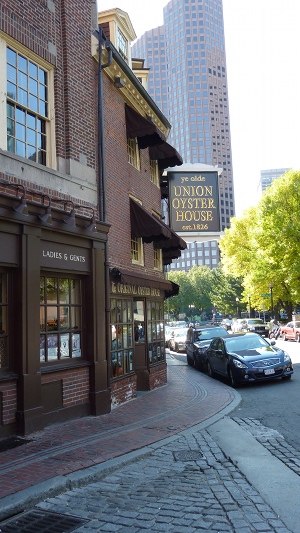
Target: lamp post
249, 302
237, 307
272, 303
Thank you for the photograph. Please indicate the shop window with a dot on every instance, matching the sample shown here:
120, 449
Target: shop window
133, 152
155, 331
4, 363
139, 321
27, 105
121, 337
137, 250
157, 259
154, 176
60, 318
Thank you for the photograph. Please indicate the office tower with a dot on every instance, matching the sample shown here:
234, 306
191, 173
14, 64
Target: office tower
269, 175
188, 81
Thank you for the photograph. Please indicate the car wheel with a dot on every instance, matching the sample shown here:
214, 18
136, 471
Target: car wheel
176, 347
284, 337
189, 360
286, 377
233, 380
297, 337
209, 370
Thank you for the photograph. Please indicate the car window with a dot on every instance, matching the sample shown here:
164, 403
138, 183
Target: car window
209, 333
246, 342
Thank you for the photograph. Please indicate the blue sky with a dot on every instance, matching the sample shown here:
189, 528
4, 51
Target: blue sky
262, 50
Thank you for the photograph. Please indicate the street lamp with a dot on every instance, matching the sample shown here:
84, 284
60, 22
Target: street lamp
237, 307
272, 303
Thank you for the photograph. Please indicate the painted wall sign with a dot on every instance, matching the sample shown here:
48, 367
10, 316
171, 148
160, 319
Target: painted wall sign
64, 257
194, 201
135, 290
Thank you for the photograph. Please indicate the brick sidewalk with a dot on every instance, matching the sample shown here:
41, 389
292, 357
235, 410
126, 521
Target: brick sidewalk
189, 398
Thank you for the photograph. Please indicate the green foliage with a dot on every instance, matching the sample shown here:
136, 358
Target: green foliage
261, 246
204, 289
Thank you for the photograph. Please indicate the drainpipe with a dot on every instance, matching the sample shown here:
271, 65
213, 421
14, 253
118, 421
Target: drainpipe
102, 184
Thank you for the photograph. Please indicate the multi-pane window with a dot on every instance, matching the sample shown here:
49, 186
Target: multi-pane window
3, 321
122, 45
60, 318
154, 172
122, 339
133, 153
157, 258
27, 107
155, 327
137, 255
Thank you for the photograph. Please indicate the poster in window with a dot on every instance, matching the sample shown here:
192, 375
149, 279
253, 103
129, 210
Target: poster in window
64, 346
76, 348
42, 348
52, 346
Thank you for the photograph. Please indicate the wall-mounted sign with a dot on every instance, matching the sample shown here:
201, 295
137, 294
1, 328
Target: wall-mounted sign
135, 290
64, 257
194, 201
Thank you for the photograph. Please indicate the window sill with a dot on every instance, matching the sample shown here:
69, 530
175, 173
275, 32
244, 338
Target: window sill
58, 366
7, 375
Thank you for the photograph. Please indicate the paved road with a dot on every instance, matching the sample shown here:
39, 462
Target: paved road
218, 475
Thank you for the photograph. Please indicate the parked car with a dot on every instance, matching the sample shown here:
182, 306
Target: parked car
237, 325
168, 334
197, 342
256, 325
247, 357
177, 340
226, 323
291, 331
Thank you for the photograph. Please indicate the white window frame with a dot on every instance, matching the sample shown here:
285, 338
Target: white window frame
154, 175
137, 251
133, 153
6, 41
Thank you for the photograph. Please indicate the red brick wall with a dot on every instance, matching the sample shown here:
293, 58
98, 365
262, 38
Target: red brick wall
8, 392
75, 385
123, 390
158, 376
123, 179
68, 28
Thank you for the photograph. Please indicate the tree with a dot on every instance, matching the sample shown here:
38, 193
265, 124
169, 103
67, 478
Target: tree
261, 246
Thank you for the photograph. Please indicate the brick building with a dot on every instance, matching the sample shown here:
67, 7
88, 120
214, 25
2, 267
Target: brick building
139, 243
53, 357
75, 217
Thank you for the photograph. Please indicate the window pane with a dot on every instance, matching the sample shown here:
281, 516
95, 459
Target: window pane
75, 318
33, 70
52, 318
22, 97
20, 132
51, 290
33, 86
33, 103
11, 91
64, 318
22, 63
23, 80
12, 74
52, 347
75, 291
11, 56
64, 291
31, 152
31, 137
21, 115
20, 148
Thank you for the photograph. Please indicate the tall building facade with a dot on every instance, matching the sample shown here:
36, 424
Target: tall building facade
269, 175
188, 81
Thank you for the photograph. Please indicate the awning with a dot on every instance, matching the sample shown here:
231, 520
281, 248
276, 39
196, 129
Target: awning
147, 226
166, 155
138, 126
128, 277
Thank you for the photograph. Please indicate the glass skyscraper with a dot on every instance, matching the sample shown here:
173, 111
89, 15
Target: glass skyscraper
188, 81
